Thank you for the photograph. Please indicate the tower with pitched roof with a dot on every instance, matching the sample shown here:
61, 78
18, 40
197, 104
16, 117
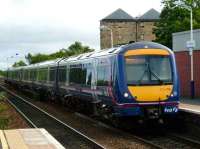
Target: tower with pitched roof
126, 29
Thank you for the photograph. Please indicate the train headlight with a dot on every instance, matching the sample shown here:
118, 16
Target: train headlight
174, 94
125, 95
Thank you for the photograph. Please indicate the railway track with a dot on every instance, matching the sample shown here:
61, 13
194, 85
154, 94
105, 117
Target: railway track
37, 118
168, 141
159, 140
77, 140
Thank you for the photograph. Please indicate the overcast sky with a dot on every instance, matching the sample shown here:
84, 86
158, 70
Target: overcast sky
46, 26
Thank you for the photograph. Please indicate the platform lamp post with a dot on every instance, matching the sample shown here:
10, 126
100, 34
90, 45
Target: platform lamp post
190, 45
111, 33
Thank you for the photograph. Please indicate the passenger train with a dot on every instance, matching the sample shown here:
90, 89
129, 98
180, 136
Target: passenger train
134, 80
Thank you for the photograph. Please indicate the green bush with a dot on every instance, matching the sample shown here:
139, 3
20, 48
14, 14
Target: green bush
4, 122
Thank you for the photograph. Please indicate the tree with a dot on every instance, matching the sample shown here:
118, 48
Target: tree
19, 63
32, 59
175, 19
74, 49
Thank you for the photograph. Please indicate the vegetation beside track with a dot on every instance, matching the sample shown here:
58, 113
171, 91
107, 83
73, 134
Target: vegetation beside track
4, 119
9, 118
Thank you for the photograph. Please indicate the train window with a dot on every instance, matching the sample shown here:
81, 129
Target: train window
20, 74
33, 74
103, 75
136, 66
13, 75
148, 70
62, 74
82, 74
25, 74
160, 67
52, 73
16, 74
77, 74
8, 74
42, 74
28, 74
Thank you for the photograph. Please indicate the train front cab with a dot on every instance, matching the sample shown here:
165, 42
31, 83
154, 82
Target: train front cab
149, 87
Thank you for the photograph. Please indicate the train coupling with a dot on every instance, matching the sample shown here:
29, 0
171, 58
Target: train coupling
153, 113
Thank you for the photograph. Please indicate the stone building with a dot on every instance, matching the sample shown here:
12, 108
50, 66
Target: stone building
126, 28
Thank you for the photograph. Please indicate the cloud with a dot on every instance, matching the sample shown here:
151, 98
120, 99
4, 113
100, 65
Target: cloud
48, 25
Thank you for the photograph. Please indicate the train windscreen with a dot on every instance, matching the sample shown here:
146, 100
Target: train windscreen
148, 70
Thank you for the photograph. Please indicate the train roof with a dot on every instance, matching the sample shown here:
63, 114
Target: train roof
98, 53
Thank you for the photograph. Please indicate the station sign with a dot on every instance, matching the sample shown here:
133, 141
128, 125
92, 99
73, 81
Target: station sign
190, 44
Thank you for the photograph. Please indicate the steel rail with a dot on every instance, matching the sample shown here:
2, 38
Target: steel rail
186, 139
152, 142
172, 138
139, 139
94, 143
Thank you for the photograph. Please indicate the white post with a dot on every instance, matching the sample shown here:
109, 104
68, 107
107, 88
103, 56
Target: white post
191, 55
191, 39
190, 46
111, 36
191, 24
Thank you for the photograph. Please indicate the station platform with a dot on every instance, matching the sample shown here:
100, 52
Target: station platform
28, 139
190, 105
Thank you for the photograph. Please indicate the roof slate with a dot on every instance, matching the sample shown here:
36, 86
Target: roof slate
121, 15
118, 14
152, 14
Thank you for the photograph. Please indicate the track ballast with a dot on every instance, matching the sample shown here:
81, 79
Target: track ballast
36, 117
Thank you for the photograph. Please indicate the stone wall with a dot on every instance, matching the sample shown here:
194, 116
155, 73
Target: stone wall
145, 30
125, 32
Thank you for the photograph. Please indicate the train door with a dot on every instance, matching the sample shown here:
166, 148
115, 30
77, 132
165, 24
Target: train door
94, 80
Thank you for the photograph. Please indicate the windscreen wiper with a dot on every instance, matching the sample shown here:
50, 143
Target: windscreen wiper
156, 76
139, 81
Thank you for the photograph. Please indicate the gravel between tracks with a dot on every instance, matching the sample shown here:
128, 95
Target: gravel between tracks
105, 136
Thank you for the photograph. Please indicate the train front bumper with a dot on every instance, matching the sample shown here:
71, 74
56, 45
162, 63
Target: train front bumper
151, 110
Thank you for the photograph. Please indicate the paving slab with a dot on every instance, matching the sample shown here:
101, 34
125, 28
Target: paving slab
190, 105
28, 139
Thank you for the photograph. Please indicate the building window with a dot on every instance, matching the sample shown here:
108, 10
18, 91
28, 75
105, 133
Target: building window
142, 36
142, 24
